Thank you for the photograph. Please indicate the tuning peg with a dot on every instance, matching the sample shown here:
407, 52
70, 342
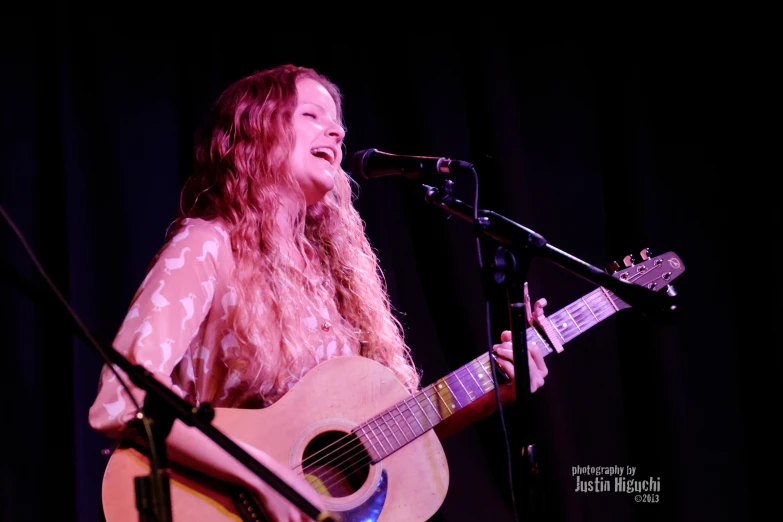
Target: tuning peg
645, 254
612, 267
629, 260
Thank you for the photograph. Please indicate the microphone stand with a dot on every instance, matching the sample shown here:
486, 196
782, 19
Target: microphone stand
512, 273
153, 494
513, 259
153, 498
162, 406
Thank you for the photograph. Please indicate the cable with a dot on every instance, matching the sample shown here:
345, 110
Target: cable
490, 344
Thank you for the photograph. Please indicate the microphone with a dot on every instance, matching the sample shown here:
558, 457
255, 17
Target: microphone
372, 163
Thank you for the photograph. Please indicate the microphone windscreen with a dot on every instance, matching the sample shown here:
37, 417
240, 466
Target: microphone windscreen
358, 162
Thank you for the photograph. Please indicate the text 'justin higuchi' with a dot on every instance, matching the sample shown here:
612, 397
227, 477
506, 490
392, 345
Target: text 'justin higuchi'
621, 482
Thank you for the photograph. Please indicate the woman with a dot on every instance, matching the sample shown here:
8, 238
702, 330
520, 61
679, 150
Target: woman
266, 273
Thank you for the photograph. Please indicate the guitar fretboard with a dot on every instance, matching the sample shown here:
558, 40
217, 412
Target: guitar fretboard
394, 428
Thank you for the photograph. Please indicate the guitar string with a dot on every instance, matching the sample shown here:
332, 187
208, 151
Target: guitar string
394, 417
425, 405
349, 439
575, 314
354, 463
355, 441
481, 361
350, 461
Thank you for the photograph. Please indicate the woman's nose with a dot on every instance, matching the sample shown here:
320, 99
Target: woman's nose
336, 131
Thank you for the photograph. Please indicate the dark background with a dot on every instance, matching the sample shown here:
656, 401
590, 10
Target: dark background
604, 144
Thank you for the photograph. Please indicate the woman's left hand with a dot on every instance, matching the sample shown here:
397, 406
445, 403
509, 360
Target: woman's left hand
535, 360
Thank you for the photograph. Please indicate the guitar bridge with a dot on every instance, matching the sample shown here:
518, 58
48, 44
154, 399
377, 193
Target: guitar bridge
247, 506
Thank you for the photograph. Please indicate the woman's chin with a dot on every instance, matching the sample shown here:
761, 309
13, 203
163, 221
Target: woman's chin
318, 192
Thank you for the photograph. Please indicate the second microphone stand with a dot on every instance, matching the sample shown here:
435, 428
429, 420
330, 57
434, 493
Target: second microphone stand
519, 246
511, 271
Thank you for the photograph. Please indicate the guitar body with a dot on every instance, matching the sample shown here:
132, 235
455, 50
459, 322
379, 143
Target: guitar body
330, 400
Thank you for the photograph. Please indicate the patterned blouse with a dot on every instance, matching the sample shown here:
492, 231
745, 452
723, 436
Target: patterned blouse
178, 327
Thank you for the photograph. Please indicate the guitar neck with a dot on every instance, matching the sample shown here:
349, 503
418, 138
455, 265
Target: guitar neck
392, 429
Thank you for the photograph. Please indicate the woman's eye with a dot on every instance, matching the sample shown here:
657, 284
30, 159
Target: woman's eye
309, 115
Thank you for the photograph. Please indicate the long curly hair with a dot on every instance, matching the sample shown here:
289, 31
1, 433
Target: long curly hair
241, 167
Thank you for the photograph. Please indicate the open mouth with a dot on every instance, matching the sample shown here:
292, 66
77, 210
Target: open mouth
325, 153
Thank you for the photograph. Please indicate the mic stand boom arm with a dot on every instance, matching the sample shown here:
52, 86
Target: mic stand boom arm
517, 237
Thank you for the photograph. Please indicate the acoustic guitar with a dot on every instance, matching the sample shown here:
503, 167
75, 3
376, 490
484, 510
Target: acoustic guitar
355, 433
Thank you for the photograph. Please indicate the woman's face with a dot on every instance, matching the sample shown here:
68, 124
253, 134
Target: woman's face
319, 136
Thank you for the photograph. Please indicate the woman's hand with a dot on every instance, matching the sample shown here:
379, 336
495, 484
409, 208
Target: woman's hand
535, 360
278, 508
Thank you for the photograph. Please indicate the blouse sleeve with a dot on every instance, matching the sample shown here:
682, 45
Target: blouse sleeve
164, 317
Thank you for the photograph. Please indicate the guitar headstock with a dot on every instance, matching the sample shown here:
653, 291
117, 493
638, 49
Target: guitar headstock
655, 273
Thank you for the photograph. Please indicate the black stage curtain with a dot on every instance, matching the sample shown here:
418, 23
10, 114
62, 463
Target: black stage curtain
603, 145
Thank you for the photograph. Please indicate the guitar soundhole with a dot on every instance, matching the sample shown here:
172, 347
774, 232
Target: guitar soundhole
336, 463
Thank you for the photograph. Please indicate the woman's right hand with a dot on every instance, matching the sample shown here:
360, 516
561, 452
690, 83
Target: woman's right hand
278, 508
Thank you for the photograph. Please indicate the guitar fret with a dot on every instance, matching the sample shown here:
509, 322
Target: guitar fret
451, 395
591, 310
530, 335
487, 367
474, 379
584, 319
456, 374
486, 370
432, 406
415, 417
474, 388
533, 337
379, 439
588, 318
572, 319
482, 374
385, 431
432, 390
599, 306
595, 304
543, 341
388, 423
377, 456
562, 323
406, 423
557, 330
388, 420
611, 301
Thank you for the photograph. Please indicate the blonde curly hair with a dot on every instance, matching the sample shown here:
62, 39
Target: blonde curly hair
241, 166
